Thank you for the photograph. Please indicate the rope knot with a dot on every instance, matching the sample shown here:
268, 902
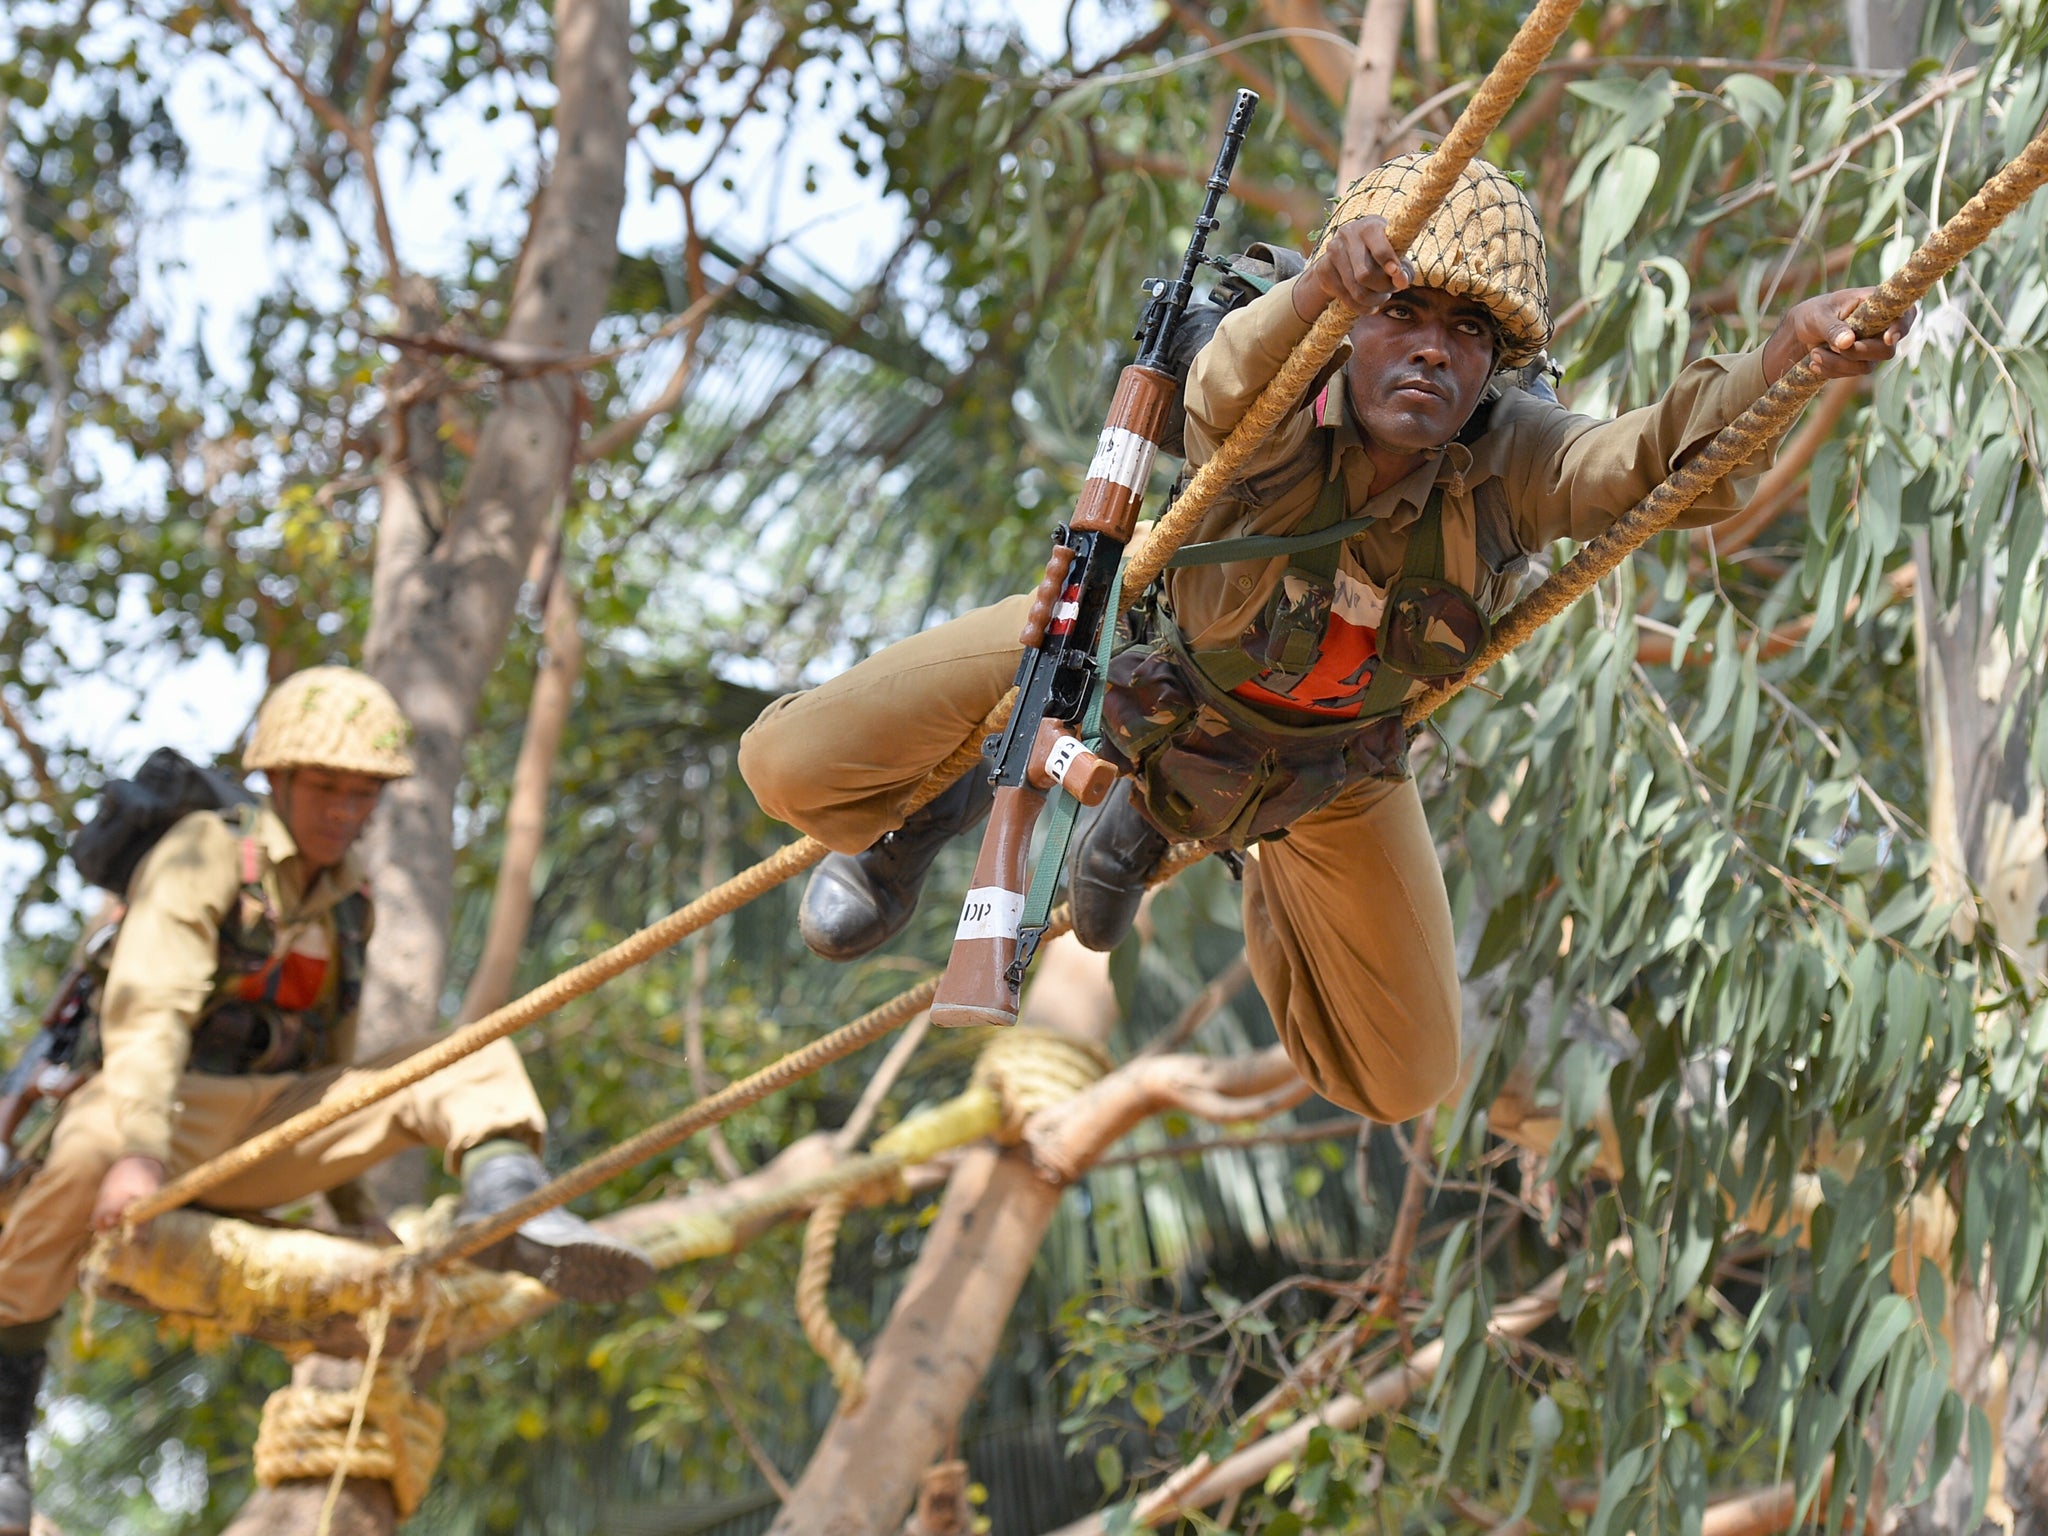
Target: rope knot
1032, 1069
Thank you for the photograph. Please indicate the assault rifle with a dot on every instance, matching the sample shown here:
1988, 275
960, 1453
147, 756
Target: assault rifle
1059, 678
46, 1070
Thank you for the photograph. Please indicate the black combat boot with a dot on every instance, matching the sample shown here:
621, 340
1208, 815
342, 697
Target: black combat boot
859, 902
1117, 855
20, 1377
563, 1252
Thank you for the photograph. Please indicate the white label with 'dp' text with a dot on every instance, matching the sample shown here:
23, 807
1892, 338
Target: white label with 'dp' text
990, 912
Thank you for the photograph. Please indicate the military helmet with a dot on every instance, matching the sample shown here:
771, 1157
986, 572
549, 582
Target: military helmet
1483, 242
331, 717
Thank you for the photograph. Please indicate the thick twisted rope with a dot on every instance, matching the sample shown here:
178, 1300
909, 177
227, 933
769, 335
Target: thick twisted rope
543, 1000
1762, 424
1018, 1073
814, 1311
1284, 393
381, 1429
727, 1102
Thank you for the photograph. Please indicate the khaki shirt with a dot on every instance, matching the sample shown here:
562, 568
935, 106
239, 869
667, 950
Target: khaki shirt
161, 975
1565, 475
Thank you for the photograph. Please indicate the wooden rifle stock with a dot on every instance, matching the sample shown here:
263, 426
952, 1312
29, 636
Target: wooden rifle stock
976, 987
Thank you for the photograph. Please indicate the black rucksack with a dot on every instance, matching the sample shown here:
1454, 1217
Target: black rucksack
134, 814
1245, 277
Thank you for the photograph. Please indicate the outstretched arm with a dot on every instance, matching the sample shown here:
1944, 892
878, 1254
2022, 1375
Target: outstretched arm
1570, 476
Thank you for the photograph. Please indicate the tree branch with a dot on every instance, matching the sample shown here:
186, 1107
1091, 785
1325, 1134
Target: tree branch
1779, 484
1306, 128
1221, 989
1066, 1141
1248, 1468
48, 790
1327, 59
526, 810
360, 138
40, 282
710, 871
1298, 206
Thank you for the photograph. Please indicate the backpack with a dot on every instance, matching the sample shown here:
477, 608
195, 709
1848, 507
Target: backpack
134, 814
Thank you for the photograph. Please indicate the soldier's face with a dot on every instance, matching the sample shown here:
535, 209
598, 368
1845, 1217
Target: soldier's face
1418, 367
325, 810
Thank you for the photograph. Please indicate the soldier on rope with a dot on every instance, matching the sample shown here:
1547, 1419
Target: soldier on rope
226, 1004
1256, 708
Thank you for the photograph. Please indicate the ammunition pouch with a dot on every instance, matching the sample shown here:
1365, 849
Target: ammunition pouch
1211, 769
239, 1038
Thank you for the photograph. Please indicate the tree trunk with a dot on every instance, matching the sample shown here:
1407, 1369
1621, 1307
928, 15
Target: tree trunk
1328, 62
293, 1509
945, 1328
1985, 816
444, 594
1371, 99
1884, 34
445, 585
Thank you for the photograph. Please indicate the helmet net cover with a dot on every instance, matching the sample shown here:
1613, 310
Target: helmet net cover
331, 717
1483, 243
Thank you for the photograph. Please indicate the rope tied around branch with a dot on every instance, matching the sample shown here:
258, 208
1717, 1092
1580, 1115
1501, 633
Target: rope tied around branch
1019, 1072
392, 1435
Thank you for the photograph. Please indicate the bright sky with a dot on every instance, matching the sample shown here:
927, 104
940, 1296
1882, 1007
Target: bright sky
208, 253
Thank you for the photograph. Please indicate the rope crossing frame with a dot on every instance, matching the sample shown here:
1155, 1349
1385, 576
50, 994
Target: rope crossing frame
1736, 443
1489, 105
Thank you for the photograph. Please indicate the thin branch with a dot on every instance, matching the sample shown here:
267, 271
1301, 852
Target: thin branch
1778, 485
361, 139
710, 870
1225, 985
849, 1135
722, 1390
1250, 1466
1655, 647
1195, 18
47, 788
1302, 208
1407, 1221
40, 280
1327, 57
1286, 1136
1936, 91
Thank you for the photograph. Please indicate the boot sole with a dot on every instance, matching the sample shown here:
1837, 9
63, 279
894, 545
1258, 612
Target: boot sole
578, 1271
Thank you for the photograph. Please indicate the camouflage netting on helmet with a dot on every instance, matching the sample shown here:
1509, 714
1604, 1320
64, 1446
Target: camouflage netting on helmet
331, 717
1483, 242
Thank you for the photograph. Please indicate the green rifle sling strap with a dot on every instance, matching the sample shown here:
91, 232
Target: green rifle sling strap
1059, 827
1266, 546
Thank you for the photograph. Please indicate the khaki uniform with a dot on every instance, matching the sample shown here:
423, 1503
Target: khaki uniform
162, 979
1347, 924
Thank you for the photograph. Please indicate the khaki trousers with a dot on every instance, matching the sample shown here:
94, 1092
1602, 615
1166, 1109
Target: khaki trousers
1346, 922
47, 1233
